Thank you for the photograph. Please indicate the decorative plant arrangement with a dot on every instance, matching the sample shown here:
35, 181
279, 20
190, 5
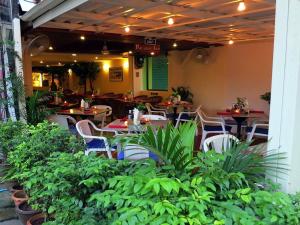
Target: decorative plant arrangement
180, 188
266, 97
184, 93
241, 106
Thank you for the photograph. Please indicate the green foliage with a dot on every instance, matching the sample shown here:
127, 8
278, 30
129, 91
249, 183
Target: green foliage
173, 146
266, 97
184, 92
86, 71
37, 144
10, 133
36, 110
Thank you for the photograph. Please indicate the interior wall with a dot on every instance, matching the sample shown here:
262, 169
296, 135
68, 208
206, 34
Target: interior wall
239, 70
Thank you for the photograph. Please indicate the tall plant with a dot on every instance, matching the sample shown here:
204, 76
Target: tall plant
86, 71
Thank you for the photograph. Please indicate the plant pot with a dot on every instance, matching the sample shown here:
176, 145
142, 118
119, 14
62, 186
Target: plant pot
16, 187
37, 219
24, 212
18, 197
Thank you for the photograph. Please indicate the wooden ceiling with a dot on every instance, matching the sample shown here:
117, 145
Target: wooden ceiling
210, 21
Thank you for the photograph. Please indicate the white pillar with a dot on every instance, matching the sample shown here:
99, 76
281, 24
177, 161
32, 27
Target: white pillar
285, 100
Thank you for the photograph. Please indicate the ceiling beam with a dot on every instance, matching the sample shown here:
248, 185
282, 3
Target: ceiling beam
57, 11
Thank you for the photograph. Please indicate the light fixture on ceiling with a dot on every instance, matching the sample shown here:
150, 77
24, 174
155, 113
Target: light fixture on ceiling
50, 48
242, 6
127, 29
174, 45
105, 49
170, 21
82, 37
230, 42
152, 53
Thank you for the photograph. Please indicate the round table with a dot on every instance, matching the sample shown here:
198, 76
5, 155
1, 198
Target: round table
174, 106
240, 118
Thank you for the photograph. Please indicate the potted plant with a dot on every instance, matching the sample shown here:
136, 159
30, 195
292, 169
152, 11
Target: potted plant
19, 196
37, 219
266, 97
24, 212
184, 93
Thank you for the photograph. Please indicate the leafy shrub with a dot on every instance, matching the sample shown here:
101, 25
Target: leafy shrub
10, 133
38, 143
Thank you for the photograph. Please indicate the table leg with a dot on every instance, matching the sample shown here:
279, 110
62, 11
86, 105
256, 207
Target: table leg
239, 121
174, 115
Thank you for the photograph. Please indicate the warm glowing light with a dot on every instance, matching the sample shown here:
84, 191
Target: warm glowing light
170, 21
174, 44
47, 66
152, 53
59, 63
130, 52
75, 61
41, 61
241, 6
106, 67
74, 54
82, 37
50, 48
31, 54
72, 111
126, 64
231, 42
96, 57
127, 29
70, 71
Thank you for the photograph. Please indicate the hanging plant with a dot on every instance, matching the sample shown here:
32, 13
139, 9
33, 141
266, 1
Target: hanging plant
266, 97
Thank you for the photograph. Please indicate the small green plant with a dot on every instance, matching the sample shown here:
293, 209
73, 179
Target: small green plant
266, 97
184, 92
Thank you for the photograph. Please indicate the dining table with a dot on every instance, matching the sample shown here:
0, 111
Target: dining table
80, 112
174, 107
121, 126
241, 117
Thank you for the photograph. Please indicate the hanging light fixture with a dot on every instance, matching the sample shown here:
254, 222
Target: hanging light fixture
170, 21
242, 6
127, 29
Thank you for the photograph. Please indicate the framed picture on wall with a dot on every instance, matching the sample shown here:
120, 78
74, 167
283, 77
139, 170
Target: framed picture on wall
116, 74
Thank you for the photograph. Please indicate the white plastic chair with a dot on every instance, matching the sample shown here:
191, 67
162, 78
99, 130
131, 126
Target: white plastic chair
258, 129
102, 117
181, 117
152, 110
219, 143
154, 117
211, 125
94, 143
135, 152
62, 120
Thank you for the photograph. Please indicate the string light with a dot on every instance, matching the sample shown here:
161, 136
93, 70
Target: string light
127, 29
170, 21
242, 6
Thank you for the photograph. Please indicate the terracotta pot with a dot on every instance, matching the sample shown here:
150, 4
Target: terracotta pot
18, 197
16, 187
24, 212
37, 219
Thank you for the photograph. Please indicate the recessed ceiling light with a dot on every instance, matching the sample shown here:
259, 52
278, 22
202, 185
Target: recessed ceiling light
129, 52
50, 48
127, 29
74, 54
231, 42
152, 53
242, 6
82, 37
41, 61
170, 21
174, 44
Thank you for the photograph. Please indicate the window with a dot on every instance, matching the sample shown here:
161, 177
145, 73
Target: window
156, 73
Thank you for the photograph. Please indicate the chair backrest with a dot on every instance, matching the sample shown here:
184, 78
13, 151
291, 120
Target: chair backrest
83, 128
154, 117
109, 109
148, 107
62, 120
220, 143
135, 152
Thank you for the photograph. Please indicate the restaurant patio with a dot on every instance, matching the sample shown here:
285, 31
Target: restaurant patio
150, 112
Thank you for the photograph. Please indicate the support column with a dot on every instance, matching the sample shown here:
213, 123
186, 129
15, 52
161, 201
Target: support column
285, 101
